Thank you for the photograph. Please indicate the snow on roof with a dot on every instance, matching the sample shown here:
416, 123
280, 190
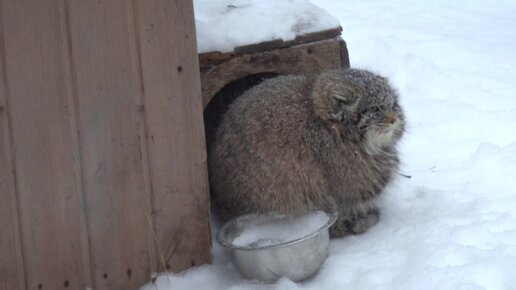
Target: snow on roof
223, 25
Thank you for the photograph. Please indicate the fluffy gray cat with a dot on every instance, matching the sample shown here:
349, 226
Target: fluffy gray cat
295, 143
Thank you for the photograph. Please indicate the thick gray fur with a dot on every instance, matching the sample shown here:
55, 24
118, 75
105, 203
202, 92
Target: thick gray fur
294, 143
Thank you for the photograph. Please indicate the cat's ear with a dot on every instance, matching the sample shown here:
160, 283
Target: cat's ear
346, 95
332, 98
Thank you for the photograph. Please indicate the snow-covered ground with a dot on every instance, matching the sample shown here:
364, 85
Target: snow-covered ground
453, 224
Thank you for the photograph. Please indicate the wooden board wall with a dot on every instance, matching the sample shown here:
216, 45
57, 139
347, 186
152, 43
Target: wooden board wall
307, 55
102, 158
11, 262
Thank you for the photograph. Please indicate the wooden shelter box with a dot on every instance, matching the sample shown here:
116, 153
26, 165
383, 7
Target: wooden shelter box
103, 177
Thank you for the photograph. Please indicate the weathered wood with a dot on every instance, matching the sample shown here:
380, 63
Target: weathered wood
10, 251
344, 54
173, 110
101, 143
36, 61
318, 35
109, 101
262, 46
12, 276
219, 69
279, 43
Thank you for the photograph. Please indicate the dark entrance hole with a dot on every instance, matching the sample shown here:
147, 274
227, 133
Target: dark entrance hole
221, 101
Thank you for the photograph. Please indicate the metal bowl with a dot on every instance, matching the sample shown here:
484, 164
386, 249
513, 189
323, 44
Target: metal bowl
296, 259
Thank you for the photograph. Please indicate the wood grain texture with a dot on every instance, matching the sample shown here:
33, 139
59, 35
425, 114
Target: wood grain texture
300, 39
101, 143
218, 69
38, 81
344, 54
11, 260
176, 147
110, 119
11, 276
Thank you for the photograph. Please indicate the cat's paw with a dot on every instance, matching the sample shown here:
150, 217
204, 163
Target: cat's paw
363, 223
356, 225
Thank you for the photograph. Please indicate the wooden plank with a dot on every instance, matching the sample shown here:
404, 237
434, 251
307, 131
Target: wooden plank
92, 147
300, 39
344, 54
217, 69
110, 121
37, 75
266, 45
173, 110
11, 261
318, 35
11, 271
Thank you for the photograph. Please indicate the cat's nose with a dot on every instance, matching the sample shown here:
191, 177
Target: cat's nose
390, 118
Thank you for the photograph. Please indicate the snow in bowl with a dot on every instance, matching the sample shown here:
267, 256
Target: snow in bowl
266, 247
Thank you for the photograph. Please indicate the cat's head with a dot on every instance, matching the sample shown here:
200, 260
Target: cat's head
363, 102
